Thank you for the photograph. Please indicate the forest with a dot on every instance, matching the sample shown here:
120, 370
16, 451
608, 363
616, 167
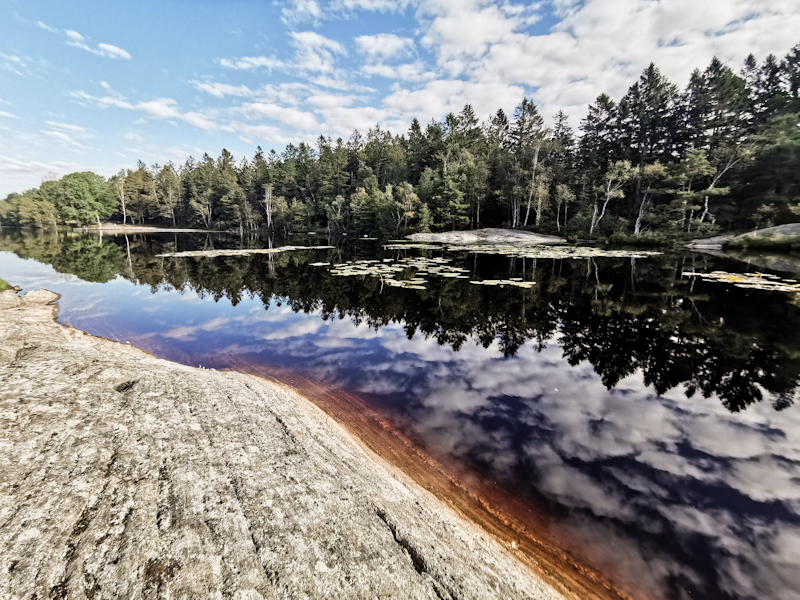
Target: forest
656, 165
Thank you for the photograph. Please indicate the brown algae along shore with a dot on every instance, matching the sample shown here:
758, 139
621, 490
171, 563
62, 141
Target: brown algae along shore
124, 475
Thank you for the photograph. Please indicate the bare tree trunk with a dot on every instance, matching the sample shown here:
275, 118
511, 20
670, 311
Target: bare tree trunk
637, 229
705, 209
602, 214
594, 219
533, 185
558, 214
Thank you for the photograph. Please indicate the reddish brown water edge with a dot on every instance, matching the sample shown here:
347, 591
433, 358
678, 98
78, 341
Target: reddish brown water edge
572, 568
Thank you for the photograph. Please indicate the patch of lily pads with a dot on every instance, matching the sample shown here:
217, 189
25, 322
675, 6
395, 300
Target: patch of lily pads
248, 252
408, 246
577, 252
544, 251
758, 281
389, 270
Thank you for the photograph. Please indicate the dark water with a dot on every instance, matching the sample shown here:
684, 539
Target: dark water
652, 413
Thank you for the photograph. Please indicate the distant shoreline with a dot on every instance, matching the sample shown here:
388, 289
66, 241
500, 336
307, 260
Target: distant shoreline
114, 228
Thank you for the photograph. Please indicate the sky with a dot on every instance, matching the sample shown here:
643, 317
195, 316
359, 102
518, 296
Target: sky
100, 85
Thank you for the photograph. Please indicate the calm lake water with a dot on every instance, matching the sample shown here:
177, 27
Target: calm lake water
651, 414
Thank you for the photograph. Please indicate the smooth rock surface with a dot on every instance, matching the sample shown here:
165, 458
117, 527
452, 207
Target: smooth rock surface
511, 237
789, 231
126, 476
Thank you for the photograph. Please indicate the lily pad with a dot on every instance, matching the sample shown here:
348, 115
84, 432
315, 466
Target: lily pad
759, 281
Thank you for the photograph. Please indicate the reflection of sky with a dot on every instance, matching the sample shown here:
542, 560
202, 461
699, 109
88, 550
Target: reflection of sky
667, 485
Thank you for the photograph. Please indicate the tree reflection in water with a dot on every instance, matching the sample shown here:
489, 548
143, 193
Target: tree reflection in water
580, 393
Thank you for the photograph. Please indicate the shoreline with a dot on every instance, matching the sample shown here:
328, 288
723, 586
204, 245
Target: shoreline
400, 507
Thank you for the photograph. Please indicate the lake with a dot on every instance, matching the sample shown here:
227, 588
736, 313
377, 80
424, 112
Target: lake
639, 413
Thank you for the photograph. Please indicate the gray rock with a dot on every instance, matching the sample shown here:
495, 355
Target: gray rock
511, 237
126, 476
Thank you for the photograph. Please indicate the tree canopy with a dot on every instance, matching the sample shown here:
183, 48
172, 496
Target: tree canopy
663, 162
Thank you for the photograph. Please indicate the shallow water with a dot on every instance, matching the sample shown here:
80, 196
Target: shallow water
648, 414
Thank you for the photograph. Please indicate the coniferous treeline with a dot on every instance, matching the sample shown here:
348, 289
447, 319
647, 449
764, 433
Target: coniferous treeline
660, 163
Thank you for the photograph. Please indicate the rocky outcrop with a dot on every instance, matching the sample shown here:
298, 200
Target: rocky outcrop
126, 476
510, 237
780, 233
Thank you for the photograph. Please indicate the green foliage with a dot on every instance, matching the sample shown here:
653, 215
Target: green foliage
4, 285
723, 154
89, 259
84, 197
425, 220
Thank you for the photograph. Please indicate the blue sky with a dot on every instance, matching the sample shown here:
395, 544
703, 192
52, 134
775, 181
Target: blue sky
100, 85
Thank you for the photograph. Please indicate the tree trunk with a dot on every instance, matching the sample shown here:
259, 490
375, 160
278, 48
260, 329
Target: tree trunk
602, 214
558, 214
533, 185
637, 229
705, 210
594, 219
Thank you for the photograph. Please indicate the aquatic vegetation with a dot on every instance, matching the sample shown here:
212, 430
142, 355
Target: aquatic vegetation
247, 252
579, 252
407, 246
543, 251
388, 269
514, 281
759, 281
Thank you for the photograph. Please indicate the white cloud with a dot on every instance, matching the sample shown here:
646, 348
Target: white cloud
15, 166
105, 50
415, 71
298, 11
163, 108
14, 64
66, 126
384, 45
47, 27
315, 53
283, 93
324, 100
301, 10
220, 90
268, 133
336, 83
293, 117
112, 51
252, 62
135, 137
7, 115
59, 136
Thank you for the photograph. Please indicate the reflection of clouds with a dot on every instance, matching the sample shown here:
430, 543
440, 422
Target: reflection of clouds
625, 460
624, 456
585, 442
329, 342
214, 324
181, 333
273, 314
185, 333
297, 329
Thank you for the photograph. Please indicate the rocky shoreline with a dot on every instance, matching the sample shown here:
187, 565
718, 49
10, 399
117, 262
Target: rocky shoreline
123, 475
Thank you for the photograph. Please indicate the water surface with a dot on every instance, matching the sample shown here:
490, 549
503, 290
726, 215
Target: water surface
649, 415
